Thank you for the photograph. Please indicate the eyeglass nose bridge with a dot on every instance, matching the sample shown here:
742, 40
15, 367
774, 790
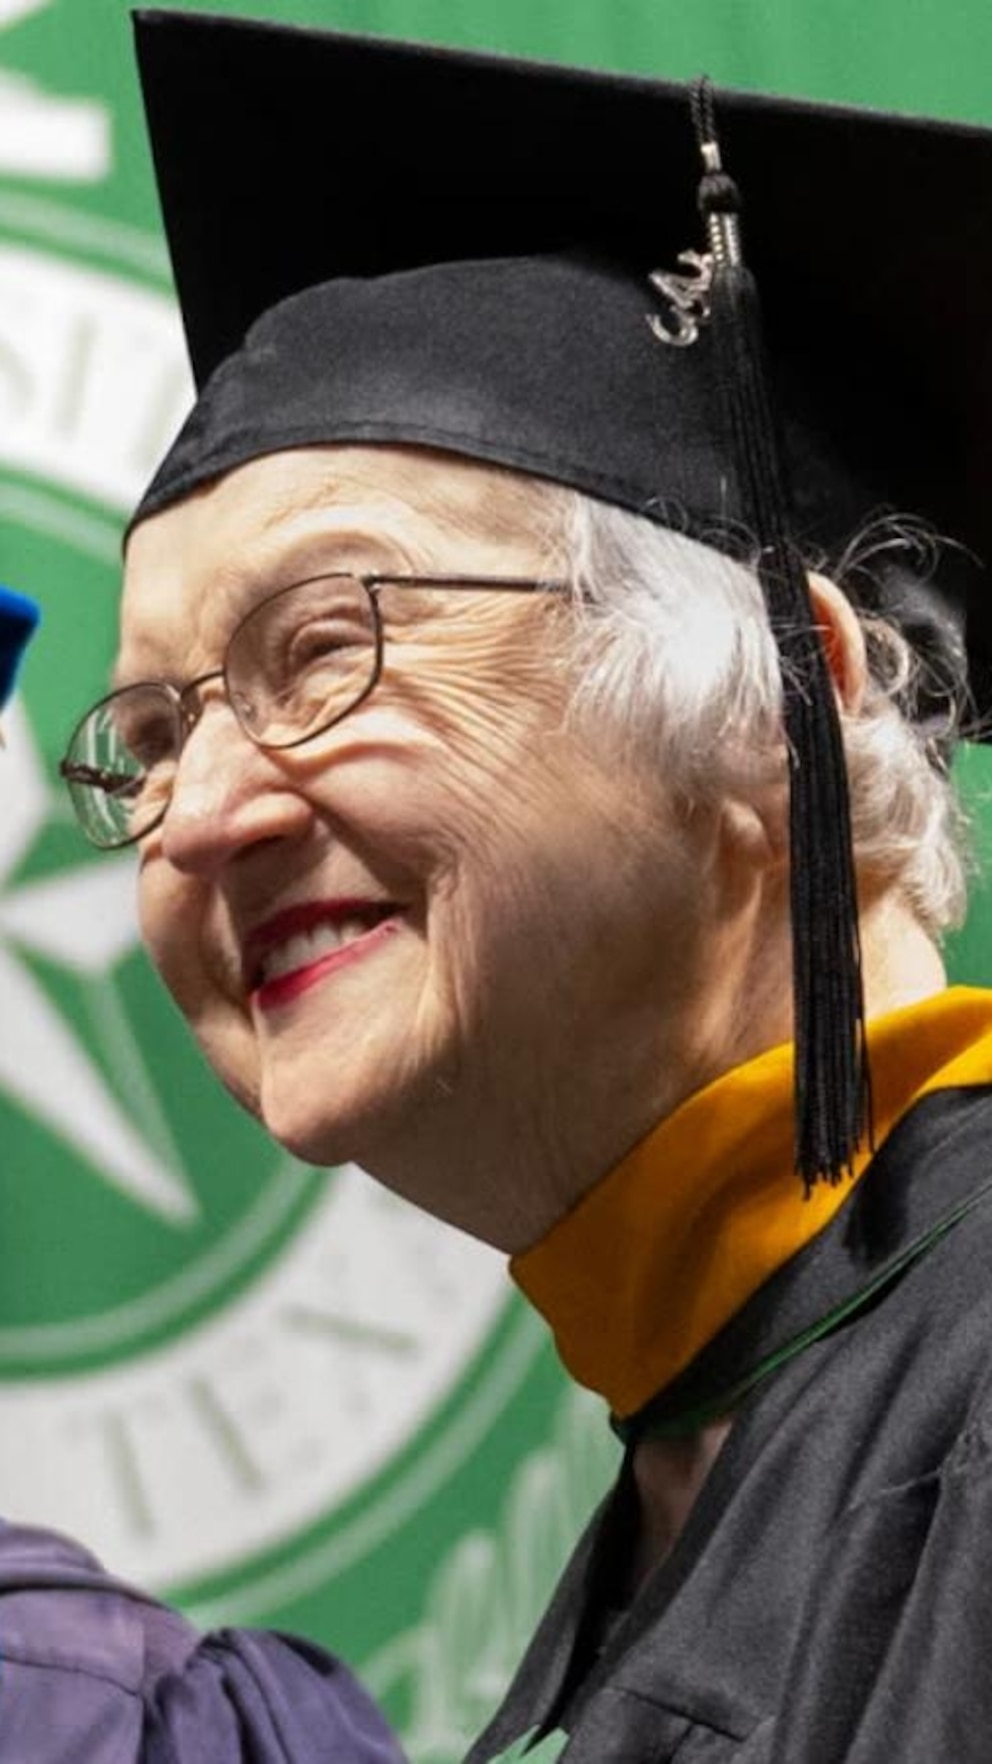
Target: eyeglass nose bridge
190, 704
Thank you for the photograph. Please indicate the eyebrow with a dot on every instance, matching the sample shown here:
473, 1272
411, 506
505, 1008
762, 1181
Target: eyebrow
301, 559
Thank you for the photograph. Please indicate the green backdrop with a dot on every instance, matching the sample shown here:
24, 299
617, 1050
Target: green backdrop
278, 1396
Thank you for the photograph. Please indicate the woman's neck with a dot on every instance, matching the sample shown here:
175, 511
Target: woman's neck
668, 1476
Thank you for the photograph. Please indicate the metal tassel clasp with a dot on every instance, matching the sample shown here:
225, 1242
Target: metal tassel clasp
687, 297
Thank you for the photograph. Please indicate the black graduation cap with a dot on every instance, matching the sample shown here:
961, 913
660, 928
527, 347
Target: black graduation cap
382, 242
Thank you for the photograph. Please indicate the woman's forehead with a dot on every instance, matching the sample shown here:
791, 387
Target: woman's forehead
257, 505
190, 567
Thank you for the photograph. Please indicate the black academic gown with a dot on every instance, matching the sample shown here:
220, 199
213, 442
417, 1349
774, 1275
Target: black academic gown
830, 1598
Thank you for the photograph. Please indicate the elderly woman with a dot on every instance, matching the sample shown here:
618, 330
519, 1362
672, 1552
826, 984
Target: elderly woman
494, 831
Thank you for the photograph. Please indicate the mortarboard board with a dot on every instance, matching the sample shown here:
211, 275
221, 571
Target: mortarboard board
18, 618
286, 157
379, 242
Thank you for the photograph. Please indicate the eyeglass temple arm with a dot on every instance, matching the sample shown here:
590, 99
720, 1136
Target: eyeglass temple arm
98, 777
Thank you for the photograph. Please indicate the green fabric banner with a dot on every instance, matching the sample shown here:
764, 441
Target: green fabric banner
277, 1395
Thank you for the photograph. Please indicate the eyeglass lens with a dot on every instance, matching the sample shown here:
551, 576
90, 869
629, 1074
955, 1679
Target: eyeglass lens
301, 659
297, 664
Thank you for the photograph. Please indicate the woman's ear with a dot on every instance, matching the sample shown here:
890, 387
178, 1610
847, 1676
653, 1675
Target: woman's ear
843, 642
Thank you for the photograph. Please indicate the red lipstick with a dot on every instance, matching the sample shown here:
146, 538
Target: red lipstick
378, 919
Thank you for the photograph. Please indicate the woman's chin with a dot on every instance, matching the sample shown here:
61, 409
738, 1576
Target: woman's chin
315, 1142
317, 1128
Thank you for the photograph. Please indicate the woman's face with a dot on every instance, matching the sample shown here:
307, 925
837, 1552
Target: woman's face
430, 938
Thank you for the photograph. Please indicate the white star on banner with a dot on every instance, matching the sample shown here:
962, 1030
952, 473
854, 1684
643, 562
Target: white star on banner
84, 921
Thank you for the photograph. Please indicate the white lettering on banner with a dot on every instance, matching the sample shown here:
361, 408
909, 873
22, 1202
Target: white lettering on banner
268, 1415
46, 136
93, 375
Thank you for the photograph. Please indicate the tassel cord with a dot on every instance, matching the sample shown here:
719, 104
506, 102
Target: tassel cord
833, 1103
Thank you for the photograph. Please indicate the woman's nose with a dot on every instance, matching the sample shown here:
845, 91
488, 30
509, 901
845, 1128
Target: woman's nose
228, 796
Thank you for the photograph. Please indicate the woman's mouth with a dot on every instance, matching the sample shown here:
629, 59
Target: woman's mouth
298, 948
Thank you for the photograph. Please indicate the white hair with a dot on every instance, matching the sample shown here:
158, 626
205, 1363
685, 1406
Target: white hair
674, 658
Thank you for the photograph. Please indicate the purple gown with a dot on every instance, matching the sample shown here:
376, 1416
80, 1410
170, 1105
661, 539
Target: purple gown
94, 1672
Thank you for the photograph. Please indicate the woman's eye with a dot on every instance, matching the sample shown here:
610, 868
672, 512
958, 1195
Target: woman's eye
316, 640
148, 744
323, 640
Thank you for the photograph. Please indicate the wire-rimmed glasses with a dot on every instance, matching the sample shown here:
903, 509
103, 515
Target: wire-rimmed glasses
300, 661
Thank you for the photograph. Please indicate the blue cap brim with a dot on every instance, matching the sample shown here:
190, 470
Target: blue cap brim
18, 618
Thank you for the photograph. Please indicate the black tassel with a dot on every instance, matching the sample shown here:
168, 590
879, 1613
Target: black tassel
832, 1089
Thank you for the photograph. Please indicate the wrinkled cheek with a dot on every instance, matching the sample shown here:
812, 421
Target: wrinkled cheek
173, 934
169, 932
233, 1054
478, 931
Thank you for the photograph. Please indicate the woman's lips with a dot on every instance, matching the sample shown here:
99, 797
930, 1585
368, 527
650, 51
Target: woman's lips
300, 947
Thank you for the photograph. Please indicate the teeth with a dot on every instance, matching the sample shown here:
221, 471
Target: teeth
349, 929
305, 947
